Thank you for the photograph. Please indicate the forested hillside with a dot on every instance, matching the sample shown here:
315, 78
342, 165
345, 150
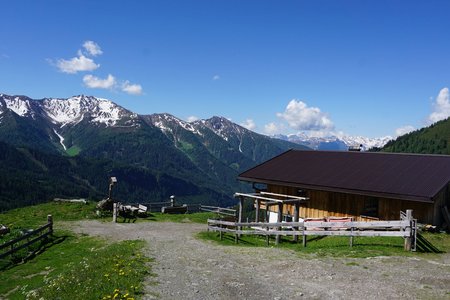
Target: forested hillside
434, 139
29, 176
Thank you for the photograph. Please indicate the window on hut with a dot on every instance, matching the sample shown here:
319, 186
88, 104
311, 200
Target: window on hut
370, 207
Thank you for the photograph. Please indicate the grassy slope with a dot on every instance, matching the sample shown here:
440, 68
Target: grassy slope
69, 265
36, 215
335, 246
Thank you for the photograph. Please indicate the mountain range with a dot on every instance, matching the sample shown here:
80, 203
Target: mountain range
153, 156
332, 142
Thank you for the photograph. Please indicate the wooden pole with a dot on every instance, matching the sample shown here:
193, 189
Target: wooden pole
351, 238
304, 236
408, 239
266, 215
296, 217
110, 191
241, 209
50, 221
115, 212
258, 202
279, 219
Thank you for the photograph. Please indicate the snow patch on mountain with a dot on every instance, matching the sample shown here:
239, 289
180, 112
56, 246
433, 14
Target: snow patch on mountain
18, 105
107, 112
61, 139
167, 122
62, 111
158, 122
72, 110
224, 128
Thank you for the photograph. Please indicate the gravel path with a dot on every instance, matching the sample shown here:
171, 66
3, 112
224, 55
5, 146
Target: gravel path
188, 268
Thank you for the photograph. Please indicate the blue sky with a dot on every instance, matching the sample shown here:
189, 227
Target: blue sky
349, 67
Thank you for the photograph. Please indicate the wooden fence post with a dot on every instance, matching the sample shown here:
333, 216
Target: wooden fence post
115, 212
304, 237
50, 221
408, 239
296, 217
241, 210
351, 238
279, 219
257, 210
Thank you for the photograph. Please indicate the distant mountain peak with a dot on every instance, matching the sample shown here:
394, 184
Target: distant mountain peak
19, 104
223, 127
166, 123
68, 111
334, 142
74, 109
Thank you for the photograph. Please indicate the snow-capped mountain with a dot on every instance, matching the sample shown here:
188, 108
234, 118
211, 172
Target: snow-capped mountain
366, 142
223, 128
220, 135
166, 123
62, 112
334, 142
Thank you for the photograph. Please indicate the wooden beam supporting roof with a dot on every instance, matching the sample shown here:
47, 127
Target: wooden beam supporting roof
256, 196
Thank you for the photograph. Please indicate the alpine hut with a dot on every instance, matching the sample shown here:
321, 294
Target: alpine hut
361, 185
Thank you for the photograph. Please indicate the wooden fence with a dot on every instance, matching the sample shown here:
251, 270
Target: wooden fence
220, 210
27, 239
191, 208
404, 228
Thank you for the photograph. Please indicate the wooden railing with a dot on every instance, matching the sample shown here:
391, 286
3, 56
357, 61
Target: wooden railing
191, 208
220, 210
27, 239
404, 228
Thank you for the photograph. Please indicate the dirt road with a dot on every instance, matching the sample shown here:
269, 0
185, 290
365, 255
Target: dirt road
188, 268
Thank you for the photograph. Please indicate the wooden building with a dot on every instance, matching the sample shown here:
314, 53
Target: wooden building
361, 185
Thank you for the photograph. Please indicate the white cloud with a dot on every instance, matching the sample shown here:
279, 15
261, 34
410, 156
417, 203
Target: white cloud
132, 89
83, 62
249, 124
301, 117
97, 83
192, 118
272, 128
76, 64
441, 108
216, 77
92, 48
404, 130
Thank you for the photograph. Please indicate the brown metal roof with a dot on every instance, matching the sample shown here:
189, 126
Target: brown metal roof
403, 176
